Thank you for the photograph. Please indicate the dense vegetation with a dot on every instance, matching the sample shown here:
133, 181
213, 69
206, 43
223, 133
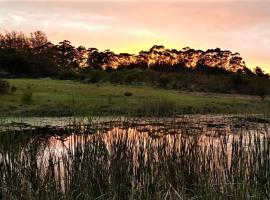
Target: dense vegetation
4, 87
171, 159
213, 70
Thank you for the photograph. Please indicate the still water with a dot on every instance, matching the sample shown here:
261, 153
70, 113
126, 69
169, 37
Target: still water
202, 157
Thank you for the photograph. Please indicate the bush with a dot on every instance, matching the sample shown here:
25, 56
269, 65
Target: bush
4, 87
68, 75
163, 81
13, 89
117, 78
96, 76
261, 91
110, 100
128, 94
27, 95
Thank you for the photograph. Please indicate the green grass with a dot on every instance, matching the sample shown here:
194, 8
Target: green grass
62, 98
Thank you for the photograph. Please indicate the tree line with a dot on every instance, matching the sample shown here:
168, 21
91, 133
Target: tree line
35, 56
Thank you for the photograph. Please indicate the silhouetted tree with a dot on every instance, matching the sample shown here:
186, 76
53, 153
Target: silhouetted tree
67, 55
95, 59
213, 70
38, 39
258, 71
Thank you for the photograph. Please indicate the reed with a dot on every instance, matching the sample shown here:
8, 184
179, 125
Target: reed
138, 159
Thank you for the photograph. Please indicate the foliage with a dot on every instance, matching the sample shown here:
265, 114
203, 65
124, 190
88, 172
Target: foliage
213, 70
27, 96
68, 75
13, 89
189, 80
4, 87
163, 81
128, 94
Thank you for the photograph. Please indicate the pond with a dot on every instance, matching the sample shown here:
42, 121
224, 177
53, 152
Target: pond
188, 157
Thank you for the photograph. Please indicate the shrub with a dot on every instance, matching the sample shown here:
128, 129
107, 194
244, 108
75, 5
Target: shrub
262, 92
94, 79
128, 94
110, 100
4, 87
27, 95
117, 78
96, 76
68, 75
13, 88
163, 81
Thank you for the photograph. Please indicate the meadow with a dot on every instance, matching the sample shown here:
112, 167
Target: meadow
48, 97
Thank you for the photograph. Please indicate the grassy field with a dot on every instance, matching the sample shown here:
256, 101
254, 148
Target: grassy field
66, 98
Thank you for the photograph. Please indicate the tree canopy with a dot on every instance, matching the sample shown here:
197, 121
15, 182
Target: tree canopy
35, 56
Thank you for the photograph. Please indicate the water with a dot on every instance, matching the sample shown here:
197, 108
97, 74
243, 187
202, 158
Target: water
203, 157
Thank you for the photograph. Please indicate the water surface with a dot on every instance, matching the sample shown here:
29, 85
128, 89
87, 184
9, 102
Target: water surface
135, 158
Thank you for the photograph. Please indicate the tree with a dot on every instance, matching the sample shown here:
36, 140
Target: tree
38, 39
81, 57
14, 40
67, 55
94, 59
14, 62
258, 71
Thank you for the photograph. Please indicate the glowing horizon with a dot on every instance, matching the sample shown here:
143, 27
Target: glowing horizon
129, 27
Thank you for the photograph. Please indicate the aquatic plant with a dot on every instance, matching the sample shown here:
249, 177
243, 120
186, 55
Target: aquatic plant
200, 158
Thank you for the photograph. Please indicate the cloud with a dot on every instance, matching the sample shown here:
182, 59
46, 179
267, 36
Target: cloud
238, 26
79, 25
142, 32
32, 17
138, 32
125, 1
17, 18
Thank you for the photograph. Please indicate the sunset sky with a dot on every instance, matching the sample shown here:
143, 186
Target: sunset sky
130, 26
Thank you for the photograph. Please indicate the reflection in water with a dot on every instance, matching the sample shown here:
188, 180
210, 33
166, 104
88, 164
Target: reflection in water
179, 158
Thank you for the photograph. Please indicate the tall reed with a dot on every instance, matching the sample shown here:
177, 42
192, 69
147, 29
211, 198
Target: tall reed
173, 159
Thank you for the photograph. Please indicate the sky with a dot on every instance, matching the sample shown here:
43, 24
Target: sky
131, 26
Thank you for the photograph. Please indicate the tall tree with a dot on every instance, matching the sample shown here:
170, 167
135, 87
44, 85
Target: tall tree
67, 55
37, 39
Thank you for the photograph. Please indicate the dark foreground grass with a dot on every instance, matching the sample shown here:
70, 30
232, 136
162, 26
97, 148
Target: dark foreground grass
127, 162
70, 98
